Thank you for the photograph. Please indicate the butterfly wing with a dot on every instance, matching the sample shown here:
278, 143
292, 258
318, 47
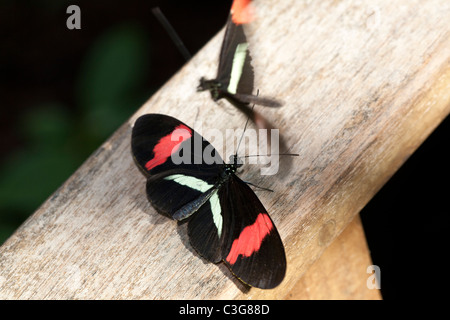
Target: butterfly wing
205, 230
165, 149
235, 72
160, 143
229, 223
242, 233
172, 186
251, 245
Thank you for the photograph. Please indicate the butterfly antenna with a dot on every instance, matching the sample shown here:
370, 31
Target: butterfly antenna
172, 33
254, 185
274, 154
245, 128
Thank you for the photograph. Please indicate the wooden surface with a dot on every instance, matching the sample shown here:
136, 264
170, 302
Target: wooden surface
363, 83
340, 272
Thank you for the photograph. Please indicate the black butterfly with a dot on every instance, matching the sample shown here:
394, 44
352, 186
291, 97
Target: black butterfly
235, 76
226, 220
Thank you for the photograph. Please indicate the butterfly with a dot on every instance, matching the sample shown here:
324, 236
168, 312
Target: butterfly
225, 219
235, 76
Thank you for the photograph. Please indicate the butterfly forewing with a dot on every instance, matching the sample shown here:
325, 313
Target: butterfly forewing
154, 138
172, 181
251, 245
235, 72
160, 143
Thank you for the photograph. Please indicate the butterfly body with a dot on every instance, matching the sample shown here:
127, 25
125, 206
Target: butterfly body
190, 208
213, 86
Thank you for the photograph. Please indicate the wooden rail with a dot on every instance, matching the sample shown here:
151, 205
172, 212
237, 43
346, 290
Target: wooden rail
364, 83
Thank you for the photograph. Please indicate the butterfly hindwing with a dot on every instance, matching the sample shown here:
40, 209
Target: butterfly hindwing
170, 191
205, 230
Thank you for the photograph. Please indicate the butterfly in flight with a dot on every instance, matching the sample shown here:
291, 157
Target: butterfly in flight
225, 219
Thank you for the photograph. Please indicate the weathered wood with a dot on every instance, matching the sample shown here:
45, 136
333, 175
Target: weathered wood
363, 84
341, 271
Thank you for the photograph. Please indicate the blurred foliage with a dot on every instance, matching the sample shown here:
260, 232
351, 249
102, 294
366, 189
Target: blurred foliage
110, 76
109, 88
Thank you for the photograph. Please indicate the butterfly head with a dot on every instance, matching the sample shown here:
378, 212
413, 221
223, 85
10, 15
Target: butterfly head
235, 161
211, 85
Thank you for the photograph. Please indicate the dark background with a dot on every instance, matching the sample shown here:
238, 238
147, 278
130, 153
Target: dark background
63, 92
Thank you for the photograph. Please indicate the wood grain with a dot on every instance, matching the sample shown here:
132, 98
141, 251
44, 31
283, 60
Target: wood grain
340, 272
363, 84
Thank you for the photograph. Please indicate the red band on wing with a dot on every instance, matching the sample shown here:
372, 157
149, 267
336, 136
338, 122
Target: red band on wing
168, 145
251, 238
242, 12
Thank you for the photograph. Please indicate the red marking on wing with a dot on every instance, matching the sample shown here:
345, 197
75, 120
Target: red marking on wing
251, 238
242, 12
168, 145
